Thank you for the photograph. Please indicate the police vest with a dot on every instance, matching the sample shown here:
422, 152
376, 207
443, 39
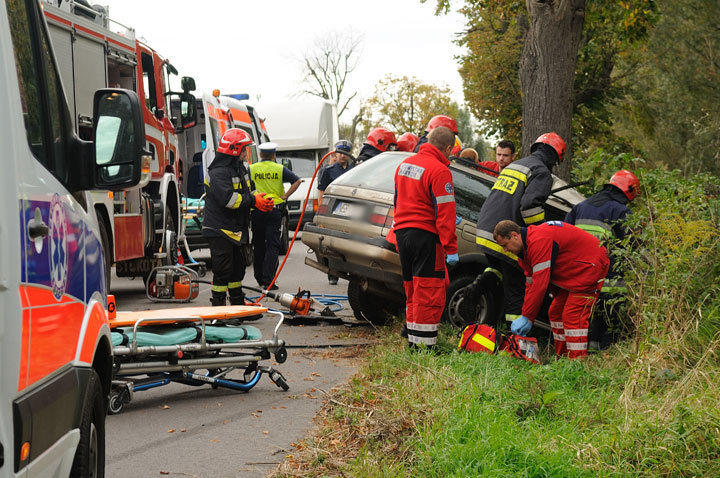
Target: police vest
268, 178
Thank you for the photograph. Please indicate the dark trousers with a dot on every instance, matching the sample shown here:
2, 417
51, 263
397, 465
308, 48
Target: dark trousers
266, 244
513, 279
228, 269
422, 259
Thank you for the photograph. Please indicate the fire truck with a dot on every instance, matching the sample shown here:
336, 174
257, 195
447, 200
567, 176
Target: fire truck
140, 226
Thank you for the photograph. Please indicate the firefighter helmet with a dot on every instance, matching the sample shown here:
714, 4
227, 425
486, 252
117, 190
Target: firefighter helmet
381, 138
442, 120
407, 142
627, 182
233, 142
554, 141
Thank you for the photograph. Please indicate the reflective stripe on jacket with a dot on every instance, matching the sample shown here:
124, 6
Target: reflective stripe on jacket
425, 196
519, 194
563, 255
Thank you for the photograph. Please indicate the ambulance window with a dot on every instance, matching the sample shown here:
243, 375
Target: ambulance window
27, 77
214, 131
149, 82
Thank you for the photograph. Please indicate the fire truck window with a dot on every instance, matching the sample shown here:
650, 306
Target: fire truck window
28, 78
149, 82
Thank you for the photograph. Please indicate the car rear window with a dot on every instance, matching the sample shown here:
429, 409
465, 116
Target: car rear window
377, 173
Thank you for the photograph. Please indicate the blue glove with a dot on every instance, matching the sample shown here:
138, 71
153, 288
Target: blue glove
452, 259
521, 326
457, 220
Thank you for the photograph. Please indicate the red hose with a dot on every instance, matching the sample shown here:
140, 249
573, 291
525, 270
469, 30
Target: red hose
299, 225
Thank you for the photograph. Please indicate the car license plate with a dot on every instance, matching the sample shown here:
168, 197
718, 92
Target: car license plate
346, 209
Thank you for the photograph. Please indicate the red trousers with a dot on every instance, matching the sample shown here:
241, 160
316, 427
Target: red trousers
422, 259
569, 316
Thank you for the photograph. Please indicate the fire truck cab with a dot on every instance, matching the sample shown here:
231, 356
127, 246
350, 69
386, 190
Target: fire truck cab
55, 348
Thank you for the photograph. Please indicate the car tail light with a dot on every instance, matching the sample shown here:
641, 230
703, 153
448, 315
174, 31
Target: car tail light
315, 204
390, 217
379, 216
322, 208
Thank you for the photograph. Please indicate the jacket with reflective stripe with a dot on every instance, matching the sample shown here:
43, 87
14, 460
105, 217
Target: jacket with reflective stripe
228, 200
268, 178
519, 194
425, 196
563, 255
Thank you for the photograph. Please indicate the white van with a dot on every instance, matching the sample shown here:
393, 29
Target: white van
304, 132
55, 352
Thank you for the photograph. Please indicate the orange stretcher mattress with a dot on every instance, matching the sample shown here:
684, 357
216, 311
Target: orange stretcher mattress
125, 319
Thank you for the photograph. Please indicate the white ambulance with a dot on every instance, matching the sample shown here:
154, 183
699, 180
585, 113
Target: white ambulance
55, 353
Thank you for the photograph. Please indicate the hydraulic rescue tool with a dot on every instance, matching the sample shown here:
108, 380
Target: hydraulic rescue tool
173, 284
300, 304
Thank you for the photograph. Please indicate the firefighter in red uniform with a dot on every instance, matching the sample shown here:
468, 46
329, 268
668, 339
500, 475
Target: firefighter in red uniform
230, 195
568, 260
424, 226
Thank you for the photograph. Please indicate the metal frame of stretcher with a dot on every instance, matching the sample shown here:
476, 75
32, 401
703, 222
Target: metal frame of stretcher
164, 364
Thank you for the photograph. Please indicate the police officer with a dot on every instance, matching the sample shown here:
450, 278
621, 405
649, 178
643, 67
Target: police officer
341, 158
228, 200
519, 194
269, 177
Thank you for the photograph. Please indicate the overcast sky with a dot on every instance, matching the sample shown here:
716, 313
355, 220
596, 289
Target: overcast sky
252, 47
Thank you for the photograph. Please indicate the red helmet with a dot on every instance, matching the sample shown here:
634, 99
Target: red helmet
407, 142
233, 142
381, 138
627, 182
555, 141
442, 120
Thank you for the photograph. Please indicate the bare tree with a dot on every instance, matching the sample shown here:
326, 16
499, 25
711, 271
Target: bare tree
327, 65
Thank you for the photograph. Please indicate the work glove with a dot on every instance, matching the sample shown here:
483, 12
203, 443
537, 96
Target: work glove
452, 259
262, 203
521, 326
457, 220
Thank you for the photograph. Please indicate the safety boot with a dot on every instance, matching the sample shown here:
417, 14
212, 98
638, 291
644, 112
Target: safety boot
236, 296
218, 298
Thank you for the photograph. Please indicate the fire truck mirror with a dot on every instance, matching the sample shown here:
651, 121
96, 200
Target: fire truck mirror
187, 83
119, 137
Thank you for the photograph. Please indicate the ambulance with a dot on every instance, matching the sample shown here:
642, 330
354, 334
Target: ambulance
55, 352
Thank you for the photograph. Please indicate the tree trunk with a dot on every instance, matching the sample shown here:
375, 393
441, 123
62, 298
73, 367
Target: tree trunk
547, 71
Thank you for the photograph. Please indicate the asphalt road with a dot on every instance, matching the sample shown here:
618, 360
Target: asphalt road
179, 430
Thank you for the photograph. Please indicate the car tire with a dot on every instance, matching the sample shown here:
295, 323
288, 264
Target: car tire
366, 305
459, 314
284, 236
89, 458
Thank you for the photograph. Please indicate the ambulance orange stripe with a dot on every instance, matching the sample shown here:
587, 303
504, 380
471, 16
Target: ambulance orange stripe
97, 318
241, 116
24, 348
129, 48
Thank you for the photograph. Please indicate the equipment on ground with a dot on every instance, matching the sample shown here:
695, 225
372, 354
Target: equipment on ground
156, 347
483, 338
174, 283
300, 304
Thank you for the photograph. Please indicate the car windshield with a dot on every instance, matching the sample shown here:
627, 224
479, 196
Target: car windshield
303, 167
377, 173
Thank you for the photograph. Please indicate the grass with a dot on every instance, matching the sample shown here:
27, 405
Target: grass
459, 414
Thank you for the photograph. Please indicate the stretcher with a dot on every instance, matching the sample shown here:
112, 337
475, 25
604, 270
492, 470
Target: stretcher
193, 346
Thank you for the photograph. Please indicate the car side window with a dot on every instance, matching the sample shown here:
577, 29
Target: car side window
41, 100
470, 194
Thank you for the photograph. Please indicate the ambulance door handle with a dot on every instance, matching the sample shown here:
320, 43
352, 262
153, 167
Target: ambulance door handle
36, 227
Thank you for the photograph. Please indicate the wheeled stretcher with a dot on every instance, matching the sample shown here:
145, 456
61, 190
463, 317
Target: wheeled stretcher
191, 345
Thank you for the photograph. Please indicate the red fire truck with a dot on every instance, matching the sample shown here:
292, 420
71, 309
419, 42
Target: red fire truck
140, 225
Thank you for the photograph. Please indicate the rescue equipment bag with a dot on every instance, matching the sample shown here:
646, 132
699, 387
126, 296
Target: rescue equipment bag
483, 338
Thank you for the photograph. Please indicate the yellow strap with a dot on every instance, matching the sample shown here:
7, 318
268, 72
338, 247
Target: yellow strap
495, 247
533, 219
484, 341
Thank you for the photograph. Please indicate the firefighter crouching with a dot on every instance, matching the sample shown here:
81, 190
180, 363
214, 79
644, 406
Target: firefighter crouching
228, 201
424, 226
570, 262
268, 177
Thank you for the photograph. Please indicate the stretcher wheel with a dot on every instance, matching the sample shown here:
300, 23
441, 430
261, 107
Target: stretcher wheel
279, 380
116, 403
281, 355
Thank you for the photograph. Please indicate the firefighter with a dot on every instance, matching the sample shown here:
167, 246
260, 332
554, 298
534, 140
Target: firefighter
378, 141
269, 177
519, 195
603, 215
407, 142
436, 121
229, 197
424, 226
569, 261
342, 157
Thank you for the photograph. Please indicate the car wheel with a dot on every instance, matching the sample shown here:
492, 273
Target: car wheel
284, 236
461, 313
89, 459
366, 305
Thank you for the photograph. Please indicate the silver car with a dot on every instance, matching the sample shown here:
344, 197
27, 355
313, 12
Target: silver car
349, 229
